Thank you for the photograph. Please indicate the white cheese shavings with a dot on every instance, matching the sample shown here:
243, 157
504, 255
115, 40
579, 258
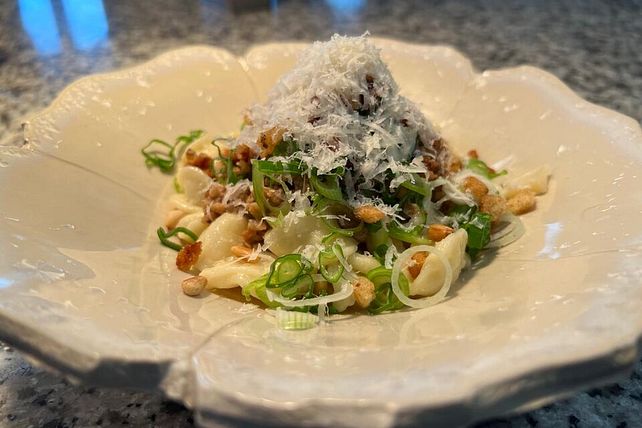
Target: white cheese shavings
342, 106
233, 191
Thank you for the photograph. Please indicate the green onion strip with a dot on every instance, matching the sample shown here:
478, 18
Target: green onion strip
164, 237
413, 235
481, 168
327, 186
228, 165
326, 208
163, 155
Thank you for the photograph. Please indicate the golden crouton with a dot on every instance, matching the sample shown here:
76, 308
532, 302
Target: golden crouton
521, 202
188, 256
475, 187
364, 291
494, 205
369, 214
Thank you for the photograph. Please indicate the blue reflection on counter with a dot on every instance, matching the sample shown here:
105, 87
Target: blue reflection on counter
39, 22
86, 21
346, 7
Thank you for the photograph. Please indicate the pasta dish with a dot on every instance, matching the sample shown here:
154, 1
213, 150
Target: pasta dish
336, 193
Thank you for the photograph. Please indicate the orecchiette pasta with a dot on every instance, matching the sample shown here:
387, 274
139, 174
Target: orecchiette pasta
232, 272
431, 277
194, 184
535, 180
219, 237
193, 222
362, 263
294, 233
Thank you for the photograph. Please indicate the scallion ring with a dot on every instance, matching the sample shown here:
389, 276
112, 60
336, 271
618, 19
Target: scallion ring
329, 266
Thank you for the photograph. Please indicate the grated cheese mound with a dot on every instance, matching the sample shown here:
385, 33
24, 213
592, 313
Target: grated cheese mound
343, 108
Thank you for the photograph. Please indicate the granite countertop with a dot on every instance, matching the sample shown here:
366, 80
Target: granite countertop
594, 46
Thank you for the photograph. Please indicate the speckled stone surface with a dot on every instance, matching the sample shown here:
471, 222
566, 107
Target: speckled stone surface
594, 46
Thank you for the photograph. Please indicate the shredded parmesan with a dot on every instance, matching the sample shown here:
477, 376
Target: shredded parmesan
343, 108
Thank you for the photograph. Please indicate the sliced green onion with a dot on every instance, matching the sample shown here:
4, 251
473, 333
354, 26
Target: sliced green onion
302, 286
228, 164
325, 208
478, 229
285, 148
417, 185
269, 167
262, 170
164, 237
331, 237
380, 252
385, 299
258, 287
258, 189
286, 270
294, 320
165, 156
327, 186
413, 235
344, 290
377, 237
481, 168
328, 258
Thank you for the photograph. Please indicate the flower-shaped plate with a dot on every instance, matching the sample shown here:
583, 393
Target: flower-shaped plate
86, 289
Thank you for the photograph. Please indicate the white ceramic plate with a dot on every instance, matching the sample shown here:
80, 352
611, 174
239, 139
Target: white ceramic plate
87, 290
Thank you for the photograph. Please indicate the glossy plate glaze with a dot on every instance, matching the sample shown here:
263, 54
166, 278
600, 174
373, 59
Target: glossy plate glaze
86, 289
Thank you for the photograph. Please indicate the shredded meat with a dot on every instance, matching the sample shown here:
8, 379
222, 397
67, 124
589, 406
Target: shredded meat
254, 232
216, 191
274, 196
436, 156
241, 159
214, 205
199, 160
268, 141
433, 167
188, 256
